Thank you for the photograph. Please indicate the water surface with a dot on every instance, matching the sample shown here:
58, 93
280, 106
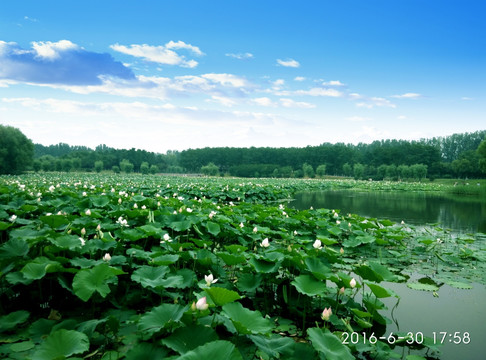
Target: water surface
465, 214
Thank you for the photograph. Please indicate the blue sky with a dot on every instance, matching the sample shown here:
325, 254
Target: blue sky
162, 75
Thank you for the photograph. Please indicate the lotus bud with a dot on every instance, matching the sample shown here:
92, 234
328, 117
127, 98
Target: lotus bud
83, 231
317, 244
352, 283
265, 243
88, 212
201, 304
326, 313
107, 257
341, 291
341, 251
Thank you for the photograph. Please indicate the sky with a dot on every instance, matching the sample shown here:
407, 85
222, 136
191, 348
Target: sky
174, 75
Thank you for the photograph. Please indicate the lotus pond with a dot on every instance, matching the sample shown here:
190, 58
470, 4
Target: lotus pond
125, 267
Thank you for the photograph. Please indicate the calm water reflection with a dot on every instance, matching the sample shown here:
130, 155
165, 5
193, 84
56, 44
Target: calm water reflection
418, 208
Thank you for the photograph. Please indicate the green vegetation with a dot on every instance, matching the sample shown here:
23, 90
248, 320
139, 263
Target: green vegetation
454, 156
128, 266
16, 151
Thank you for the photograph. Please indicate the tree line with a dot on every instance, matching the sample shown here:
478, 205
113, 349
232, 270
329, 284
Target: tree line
452, 156
459, 155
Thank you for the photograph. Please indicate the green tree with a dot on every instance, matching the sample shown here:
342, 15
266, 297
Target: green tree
154, 169
210, 169
358, 171
481, 151
144, 168
419, 171
347, 169
126, 166
16, 151
115, 169
321, 170
66, 165
98, 166
308, 170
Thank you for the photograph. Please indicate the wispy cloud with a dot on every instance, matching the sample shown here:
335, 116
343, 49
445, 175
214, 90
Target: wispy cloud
288, 63
162, 54
333, 83
407, 96
241, 56
61, 62
318, 91
372, 102
289, 103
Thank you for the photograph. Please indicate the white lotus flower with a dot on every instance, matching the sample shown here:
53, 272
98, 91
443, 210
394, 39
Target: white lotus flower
88, 212
107, 257
265, 243
210, 279
317, 244
13, 218
352, 283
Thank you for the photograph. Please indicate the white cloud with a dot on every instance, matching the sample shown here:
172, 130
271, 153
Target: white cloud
225, 101
241, 56
370, 103
264, 101
407, 96
289, 103
299, 78
182, 45
320, 92
288, 63
52, 50
59, 63
333, 83
163, 54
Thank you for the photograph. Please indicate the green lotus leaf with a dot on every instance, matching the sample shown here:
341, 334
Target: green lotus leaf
190, 337
150, 276
273, 346
329, 344
13, 319
87, 282
61, 344
247, 321
222, 296
161, 317
14, 248
308, 285
213, 228
219, 349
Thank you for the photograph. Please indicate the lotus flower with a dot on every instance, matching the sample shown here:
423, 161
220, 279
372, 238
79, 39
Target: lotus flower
326, 313
352, 283
107, 257
317, 244
210, 279
255, 229
265, 243
88, 212
201, 304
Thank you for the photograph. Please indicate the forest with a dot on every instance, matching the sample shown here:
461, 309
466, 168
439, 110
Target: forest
455, 156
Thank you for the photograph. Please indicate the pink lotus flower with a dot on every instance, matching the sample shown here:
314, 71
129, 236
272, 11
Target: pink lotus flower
201, 304
326, 313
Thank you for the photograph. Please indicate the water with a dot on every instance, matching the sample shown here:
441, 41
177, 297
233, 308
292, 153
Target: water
463, 214
455, 310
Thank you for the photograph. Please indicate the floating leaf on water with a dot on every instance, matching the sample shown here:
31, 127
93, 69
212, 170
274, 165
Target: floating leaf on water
459, 285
